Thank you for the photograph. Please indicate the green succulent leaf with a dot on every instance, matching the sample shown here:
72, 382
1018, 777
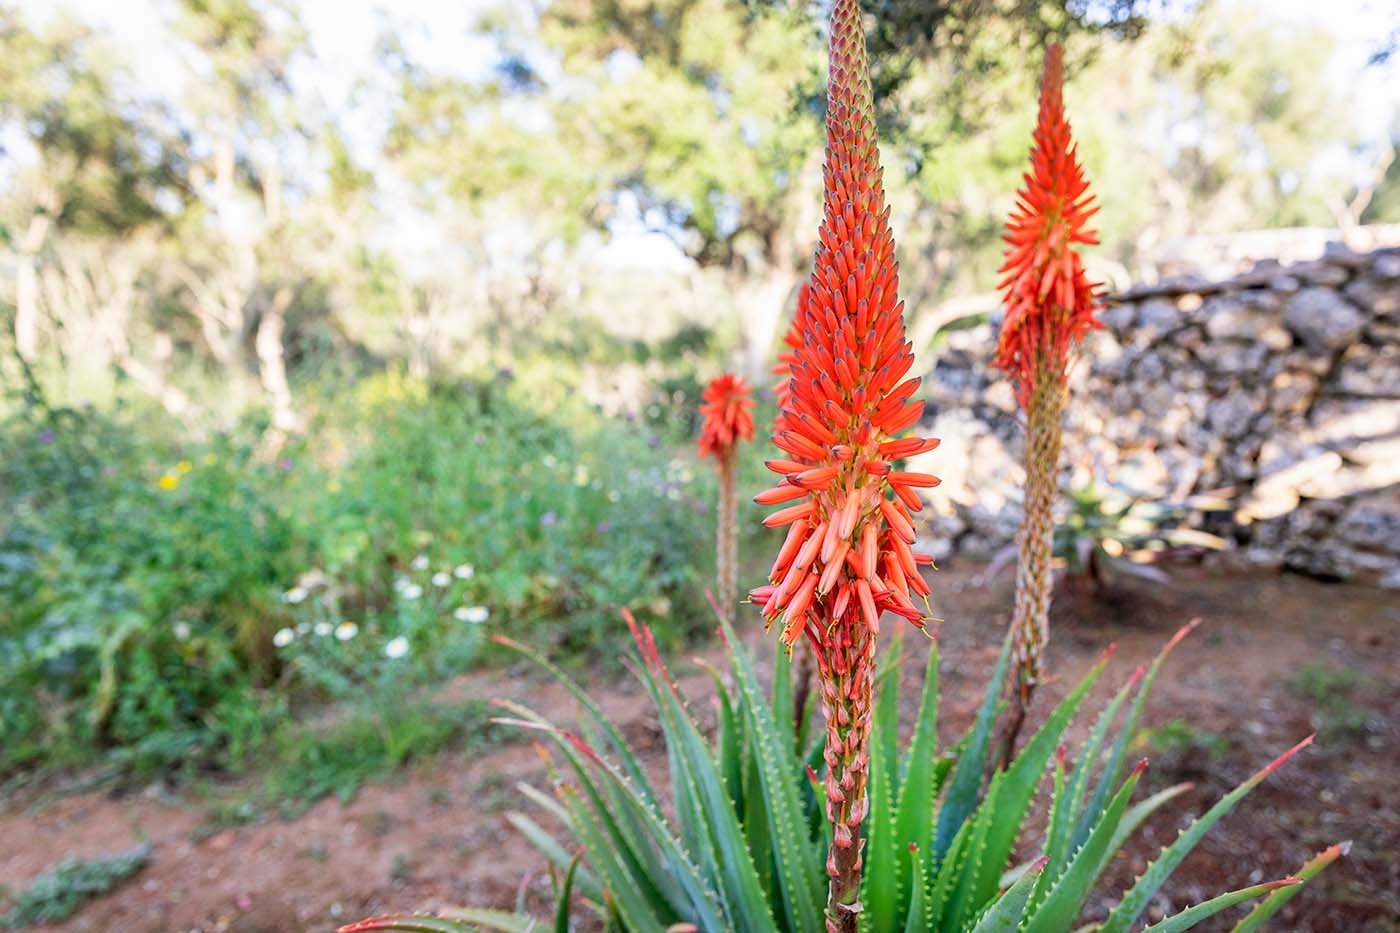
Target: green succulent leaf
1135, 901
1065, 898
1265, 910
1191, 916
961, 797
1007, 912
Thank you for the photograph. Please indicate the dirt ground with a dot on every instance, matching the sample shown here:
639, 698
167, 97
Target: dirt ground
437, 834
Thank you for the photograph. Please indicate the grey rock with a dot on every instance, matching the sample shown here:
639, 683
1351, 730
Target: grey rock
1323, 320
1232, 415
1155, 317
1374, 294
1234, 358
1372, 522
1320, 273
1369, 370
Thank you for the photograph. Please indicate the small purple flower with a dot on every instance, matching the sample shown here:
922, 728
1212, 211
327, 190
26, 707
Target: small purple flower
549, 518
702, 507
46, 436
604, 527
653, 442
285, 464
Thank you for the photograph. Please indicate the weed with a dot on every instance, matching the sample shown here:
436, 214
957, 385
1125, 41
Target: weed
60, 891
1333, 690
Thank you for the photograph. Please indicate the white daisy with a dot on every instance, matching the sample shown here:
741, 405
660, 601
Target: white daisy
396, 647
284, 637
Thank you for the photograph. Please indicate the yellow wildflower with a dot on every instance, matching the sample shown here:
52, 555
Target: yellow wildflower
184, 466
169, 481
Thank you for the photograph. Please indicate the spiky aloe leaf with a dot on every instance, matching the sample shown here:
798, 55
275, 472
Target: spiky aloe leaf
961, 797
553, 850
1085, 811
782, 703
1191, 916
879, 895
730, 743
1012, 791
914, 921
628, 832
914, 811
703, 805
1055, 833
1007, 912
617, 744
566, 893
633, 896
796, 872
1139, 812
959, 908
1263, 911
943, 874
1135, 901
921, 776
468, 921
1065, 898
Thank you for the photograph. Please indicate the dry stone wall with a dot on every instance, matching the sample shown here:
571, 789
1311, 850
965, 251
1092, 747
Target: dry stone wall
1282, 383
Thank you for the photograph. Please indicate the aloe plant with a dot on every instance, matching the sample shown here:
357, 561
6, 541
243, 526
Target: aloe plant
743, 843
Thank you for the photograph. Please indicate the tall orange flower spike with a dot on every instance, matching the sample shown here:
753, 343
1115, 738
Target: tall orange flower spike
848, 556
727, 411
1050, 306
1050, 302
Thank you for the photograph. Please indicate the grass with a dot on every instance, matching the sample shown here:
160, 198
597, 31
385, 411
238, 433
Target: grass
309, 763
1335, 694
60, 891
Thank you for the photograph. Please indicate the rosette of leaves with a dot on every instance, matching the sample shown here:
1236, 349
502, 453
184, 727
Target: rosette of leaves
742, 843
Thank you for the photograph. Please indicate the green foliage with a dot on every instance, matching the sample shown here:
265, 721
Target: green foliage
1333, 690
166, 601
310, 763
1111, 530
138, 587
746, 846
70, 884
1179, 740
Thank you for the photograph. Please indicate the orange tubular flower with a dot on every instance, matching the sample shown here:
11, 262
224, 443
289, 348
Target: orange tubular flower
1050, 302
1050, 306
728, 412
848, 555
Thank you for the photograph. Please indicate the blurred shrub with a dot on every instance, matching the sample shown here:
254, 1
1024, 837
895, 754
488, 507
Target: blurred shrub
560, 513
136, 585
164, 600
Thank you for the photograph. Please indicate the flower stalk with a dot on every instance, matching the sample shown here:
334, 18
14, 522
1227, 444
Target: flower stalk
848, 557
727, 410
1050, 307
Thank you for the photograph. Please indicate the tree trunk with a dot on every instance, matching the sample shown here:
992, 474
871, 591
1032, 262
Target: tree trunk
764, 311
27, 284
272, 368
